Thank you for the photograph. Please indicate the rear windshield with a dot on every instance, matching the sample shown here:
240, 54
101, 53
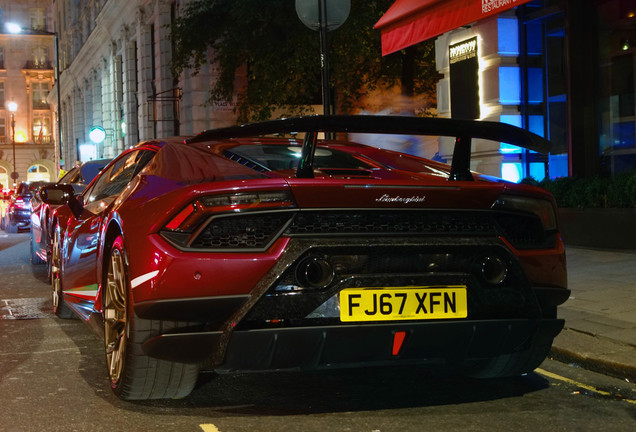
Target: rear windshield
279, 157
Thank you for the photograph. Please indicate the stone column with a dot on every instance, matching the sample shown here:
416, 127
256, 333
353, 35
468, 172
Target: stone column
164, 79
97, 120
145, 77
117, 102
79, 135
110, 150
130, 97
88, 112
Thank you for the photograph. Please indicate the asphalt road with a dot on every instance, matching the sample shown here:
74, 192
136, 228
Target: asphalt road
52, 378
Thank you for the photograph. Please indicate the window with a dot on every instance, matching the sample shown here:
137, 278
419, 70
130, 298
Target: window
39, 92
38, 173
274, 157
115, 179
40, 57
41, 128
1, 57
3, 128
543, 92
2, 101
73, 176
37, 19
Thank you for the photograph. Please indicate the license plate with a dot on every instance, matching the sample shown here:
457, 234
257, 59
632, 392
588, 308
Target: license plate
403, 303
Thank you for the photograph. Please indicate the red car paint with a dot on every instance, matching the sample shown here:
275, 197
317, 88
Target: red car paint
226, 249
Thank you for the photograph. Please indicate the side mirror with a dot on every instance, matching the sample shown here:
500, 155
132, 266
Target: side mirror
61, 194
57, 194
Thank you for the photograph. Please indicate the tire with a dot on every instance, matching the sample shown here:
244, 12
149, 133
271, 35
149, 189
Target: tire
35, 258
60, 308
48, 269
134, 375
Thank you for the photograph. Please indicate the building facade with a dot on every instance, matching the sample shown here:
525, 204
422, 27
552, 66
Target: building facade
115, 79
27, 121
563, 69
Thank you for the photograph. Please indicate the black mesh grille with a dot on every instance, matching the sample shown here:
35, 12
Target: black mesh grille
257, 231
373, 222
524, 232
244, 232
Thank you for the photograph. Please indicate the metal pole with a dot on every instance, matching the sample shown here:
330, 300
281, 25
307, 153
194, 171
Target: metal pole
58, 147
14, 174
324, 58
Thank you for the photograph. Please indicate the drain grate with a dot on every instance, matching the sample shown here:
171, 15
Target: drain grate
25, 308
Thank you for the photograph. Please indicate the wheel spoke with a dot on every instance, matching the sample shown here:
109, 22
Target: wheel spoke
115, 321
55, 272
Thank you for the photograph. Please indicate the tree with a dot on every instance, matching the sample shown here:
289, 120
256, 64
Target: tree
282, 56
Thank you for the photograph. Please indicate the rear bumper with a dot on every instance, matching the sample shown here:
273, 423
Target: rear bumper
353, 345
21, 219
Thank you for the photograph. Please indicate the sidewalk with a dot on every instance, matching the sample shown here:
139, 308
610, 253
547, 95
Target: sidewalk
600, 316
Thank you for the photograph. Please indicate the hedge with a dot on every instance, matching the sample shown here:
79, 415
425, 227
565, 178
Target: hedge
598, 192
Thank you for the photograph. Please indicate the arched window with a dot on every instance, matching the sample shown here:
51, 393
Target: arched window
38, 172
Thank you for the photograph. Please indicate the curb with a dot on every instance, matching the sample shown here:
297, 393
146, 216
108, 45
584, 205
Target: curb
595, 354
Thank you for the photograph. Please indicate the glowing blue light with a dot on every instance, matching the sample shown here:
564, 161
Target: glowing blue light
514, 120
509, 85
511, 119
535, 125
537, 170
558, 165
535, 85
508, 36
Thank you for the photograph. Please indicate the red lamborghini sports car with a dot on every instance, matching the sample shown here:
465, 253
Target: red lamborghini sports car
284, 245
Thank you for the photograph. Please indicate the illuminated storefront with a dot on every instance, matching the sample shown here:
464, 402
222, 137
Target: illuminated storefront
563, 69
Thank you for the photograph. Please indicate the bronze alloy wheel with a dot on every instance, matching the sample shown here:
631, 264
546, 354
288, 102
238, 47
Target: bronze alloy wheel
115, 319
59, 307
133, 375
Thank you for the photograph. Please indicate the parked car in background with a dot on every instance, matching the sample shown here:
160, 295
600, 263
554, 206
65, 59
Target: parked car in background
78, 177
17, 215
251, 248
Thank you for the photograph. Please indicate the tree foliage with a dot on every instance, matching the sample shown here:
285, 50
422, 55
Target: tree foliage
282, 56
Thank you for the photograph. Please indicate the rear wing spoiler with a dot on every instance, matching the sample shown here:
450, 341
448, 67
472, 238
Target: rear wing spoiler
463, 131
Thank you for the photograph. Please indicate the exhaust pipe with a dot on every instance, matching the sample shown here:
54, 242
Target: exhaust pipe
314, 272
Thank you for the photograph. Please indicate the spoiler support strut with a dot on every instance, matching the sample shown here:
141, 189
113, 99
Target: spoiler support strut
460, 167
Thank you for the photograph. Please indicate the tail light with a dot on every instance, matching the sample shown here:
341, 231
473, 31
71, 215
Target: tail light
541, 208
21, 204
527, 223
197, 212
244, 221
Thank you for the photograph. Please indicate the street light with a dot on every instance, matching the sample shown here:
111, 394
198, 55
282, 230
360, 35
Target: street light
16, 29
13, 107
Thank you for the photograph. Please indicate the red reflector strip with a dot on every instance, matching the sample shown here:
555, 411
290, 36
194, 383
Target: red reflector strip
398, 340
246, 206
179, 218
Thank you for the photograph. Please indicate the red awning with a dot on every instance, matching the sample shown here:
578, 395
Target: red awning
408, 22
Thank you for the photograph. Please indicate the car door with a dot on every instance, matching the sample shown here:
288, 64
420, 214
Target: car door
82, 234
